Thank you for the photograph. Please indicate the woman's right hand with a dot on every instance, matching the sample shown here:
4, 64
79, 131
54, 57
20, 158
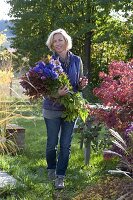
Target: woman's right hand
83, 82
62, 91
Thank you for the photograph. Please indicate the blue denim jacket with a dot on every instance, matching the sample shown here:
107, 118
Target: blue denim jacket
73, 72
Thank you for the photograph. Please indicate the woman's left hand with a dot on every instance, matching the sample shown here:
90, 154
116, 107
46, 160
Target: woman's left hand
83, 82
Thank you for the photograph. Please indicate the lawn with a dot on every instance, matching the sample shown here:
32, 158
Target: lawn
29, 167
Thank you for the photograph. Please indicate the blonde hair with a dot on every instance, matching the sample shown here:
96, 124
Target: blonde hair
67, 38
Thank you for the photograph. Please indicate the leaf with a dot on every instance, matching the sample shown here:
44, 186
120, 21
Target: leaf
112, 152
119, 145
118, 171
117, 136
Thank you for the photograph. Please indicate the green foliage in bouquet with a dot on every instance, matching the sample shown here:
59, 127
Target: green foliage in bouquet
74, 106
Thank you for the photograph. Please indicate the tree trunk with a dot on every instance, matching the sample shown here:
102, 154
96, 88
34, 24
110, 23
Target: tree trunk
87, 152
81, 143
88, 38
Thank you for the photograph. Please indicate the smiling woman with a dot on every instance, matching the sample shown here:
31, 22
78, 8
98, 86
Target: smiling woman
4, 10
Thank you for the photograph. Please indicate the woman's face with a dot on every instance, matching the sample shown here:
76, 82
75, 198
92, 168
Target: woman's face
59, 44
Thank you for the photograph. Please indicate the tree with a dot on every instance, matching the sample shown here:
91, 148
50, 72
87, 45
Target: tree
86, 21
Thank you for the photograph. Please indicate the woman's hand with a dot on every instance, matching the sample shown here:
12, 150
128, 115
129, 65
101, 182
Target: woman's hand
83, 82
63, 91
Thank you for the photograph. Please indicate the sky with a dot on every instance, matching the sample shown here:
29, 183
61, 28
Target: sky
4, 9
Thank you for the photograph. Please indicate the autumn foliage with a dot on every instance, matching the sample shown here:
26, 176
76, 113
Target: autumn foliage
116, 93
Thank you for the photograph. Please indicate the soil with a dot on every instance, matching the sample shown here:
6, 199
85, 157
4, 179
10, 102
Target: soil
111, 188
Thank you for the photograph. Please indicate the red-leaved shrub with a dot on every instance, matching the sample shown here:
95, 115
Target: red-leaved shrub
116, 93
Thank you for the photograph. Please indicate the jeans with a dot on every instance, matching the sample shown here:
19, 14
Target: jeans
62, 131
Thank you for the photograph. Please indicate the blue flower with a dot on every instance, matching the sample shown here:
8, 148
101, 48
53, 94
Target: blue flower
50, 66
50, 70
50, 73
39, 68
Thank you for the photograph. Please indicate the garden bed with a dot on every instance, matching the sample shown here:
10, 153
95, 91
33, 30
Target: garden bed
109, 188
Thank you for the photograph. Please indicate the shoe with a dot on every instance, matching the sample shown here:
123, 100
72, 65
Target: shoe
51, 174
59, 183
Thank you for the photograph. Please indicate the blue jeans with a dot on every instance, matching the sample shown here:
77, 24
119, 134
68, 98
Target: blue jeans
54, 127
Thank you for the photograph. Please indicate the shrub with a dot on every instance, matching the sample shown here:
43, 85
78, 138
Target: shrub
116, 94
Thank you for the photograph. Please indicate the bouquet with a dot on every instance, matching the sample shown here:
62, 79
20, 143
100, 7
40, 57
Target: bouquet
45, 79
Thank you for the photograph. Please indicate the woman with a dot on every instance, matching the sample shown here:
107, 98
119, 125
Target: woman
59, 42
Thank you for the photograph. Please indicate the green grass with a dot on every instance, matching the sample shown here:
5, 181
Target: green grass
29, 168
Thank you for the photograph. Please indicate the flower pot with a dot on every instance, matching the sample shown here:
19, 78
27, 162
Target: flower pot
17, 134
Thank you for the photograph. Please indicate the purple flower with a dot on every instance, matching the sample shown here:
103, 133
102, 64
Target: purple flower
54, 75
43, 77
58, 68
49, 70
48, 73
129, 129
39, 68
50, 66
